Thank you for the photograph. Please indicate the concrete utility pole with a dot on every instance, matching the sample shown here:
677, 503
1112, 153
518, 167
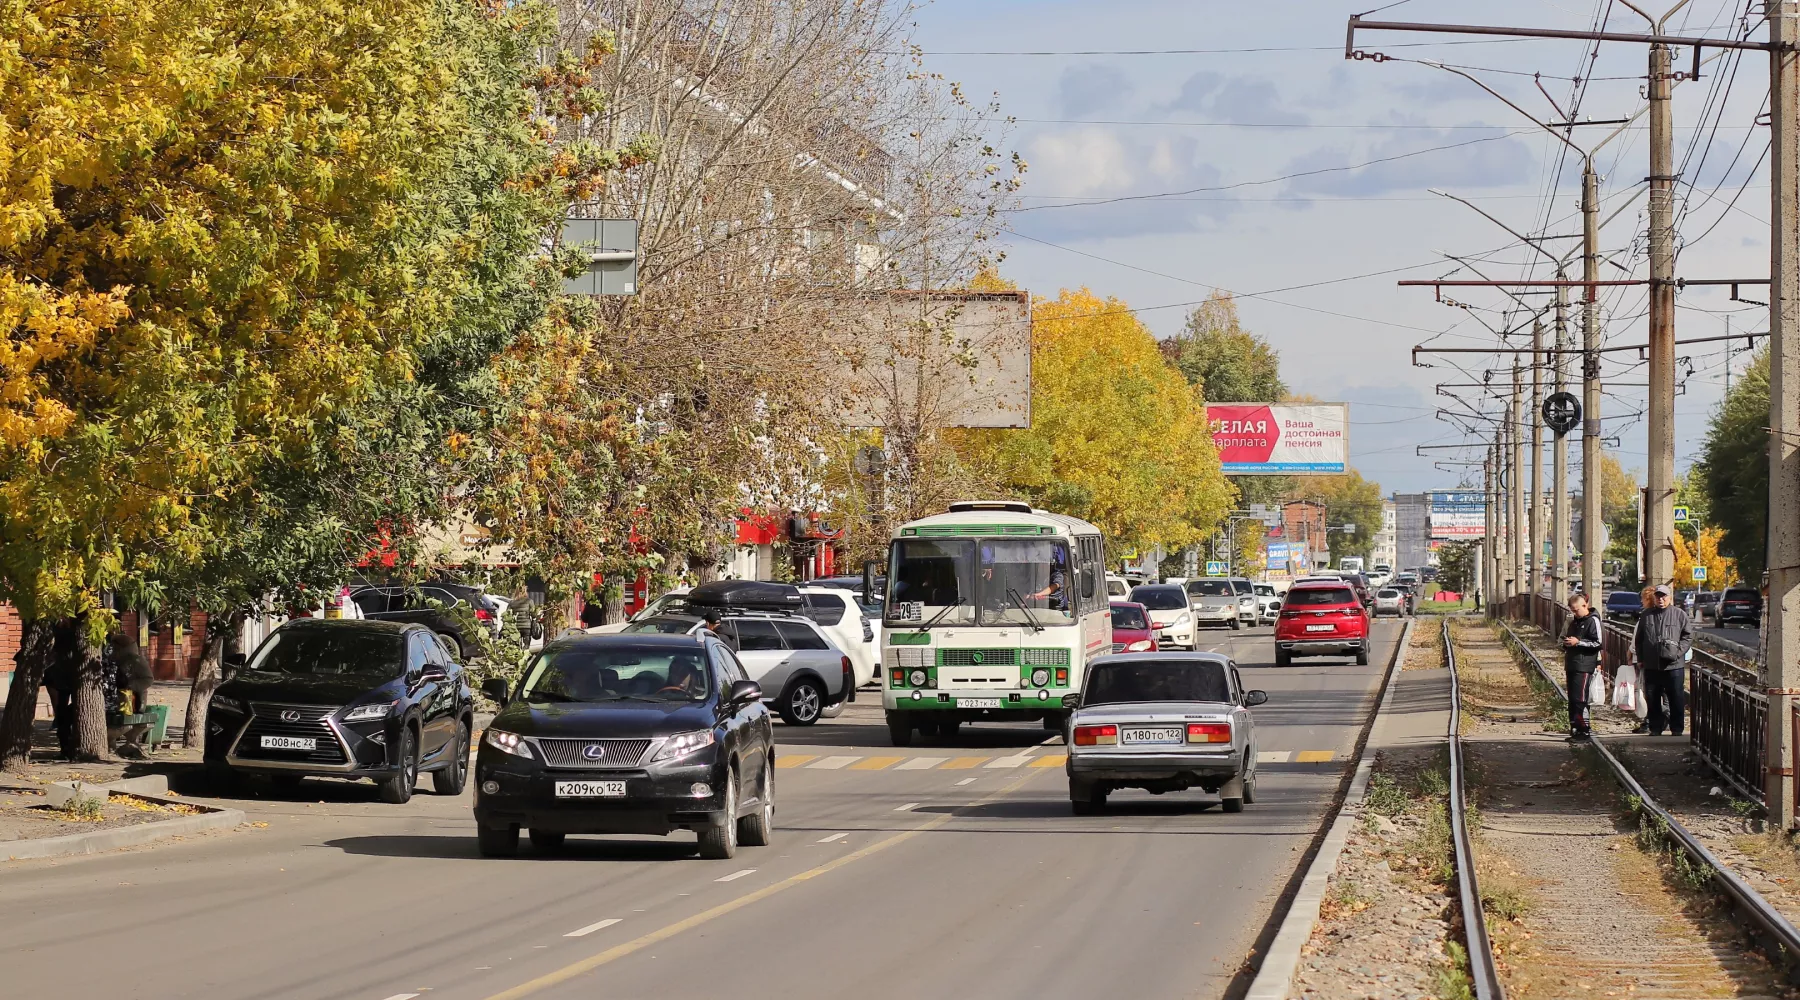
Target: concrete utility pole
1559, 473
1781, 666
1516, 429
1487, 527
1659, 506
1590, 383
1534, 511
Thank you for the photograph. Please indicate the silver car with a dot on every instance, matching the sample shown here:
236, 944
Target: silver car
1390, 602
1163, 722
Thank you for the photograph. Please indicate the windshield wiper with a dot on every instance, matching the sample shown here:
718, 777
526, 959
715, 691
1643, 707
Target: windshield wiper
940, 615
1019, 602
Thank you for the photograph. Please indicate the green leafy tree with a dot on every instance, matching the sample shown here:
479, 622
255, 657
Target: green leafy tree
1227, 362
1733, 471
1348, 499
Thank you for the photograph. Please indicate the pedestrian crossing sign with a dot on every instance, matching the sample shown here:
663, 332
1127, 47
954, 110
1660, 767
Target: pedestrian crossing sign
1699, 572
1681, 517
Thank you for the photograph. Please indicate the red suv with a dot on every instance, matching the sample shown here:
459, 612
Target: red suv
1321, 619
1132, 631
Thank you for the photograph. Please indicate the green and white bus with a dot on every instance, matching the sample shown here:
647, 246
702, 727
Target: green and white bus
993, 612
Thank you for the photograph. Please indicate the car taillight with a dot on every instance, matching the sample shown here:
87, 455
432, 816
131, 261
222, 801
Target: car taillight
849, 674
483, 614
1209, 732
899, 677
1062, 676
1088, 736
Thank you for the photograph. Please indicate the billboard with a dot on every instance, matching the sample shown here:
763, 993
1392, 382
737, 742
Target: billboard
950, 359
1281, 439
1458, 514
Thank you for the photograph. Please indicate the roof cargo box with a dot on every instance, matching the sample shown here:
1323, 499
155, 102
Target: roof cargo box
749, 595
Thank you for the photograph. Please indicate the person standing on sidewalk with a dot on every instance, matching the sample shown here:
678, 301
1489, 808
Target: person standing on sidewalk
1661, 644
61, 678
1581, 657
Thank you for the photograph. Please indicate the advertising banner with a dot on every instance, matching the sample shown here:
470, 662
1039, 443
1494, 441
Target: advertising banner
1458, 514
1277, 558
1281, 439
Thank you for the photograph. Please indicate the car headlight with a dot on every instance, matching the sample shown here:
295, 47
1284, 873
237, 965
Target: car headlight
1040, 677
683, 744
1182, 620
1139, 646
369, 713
917, 678
506, 742
228, 704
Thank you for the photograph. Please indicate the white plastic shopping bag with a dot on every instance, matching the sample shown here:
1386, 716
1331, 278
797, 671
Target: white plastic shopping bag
1596, 688
1625, 688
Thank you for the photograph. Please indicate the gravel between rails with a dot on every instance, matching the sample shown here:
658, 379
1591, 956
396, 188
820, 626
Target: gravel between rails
1575, 907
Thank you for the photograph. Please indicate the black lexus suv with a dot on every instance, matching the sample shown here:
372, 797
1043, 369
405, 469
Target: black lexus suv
345, 699
640, 733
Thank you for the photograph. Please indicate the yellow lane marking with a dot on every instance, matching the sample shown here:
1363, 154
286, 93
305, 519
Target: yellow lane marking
795, 760
875, 763
680, 927
1050, 760
963, 763
1314, 756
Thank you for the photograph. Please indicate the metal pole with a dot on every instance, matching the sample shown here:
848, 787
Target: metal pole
1490, 530
1534, 509
1659, 506
1781, 665
1559, 473
1590, 385
1515, 430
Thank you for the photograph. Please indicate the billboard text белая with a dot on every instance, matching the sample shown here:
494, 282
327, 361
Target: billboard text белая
1281, 439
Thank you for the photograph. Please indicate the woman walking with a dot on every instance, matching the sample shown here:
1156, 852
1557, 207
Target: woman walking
1581, 657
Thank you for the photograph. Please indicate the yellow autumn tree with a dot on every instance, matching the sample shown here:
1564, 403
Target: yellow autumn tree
1721, 570
1118, 437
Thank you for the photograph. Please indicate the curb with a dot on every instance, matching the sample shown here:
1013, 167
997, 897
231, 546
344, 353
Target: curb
98, 841
1283, 958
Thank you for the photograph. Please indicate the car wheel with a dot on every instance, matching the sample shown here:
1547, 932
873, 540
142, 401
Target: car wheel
758, 828
1362, 657
1250, 789
1283, 658
450, 780
1086, 798
399, 788
1232, 805
455, 644
900, 729
497, 842
547, 840
718, 841
803, 703
1235, 624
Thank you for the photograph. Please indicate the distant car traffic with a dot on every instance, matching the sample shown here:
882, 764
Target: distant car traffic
1131, 630
1705, 603
1169, 613
1738, 604
431, 605
344, 698
1624, 605
1390, 601
1163, 722
1268, 604
1247, 603
1214, 601
1321, 619
639, 733
1116, 586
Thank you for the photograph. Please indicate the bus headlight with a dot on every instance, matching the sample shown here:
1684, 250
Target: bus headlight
1040, 677
917, 677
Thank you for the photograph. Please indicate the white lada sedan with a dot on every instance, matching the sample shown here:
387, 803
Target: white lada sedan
1163, 722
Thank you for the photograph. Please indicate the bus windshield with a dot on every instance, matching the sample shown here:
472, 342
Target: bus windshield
988, 581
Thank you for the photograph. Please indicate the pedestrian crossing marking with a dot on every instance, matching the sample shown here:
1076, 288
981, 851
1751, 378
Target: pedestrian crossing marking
1274, 756
921, 763
798, 760
1314, 756
875, 763
1009, 761
860, 762
1050, 760
964, 763
832, 763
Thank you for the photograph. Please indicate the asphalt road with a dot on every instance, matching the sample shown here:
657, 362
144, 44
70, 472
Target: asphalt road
928, 871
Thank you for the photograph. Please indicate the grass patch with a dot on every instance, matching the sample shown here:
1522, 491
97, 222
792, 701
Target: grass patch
1444, 607
82, 809
1450, 978
1385, 796
1655, 838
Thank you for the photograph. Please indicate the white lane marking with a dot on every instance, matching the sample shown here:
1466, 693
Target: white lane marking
965, 781
1052, 741
905, 808
921, 763
831, 763
591, 928
1023, 758
1274, 756
833, 838
735, 875
403, 996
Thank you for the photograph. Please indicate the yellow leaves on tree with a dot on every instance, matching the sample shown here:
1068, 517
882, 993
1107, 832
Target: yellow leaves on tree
1118, 437
1721, 570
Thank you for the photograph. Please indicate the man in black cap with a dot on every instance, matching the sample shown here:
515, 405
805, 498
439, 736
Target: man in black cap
1661, 644
715, 623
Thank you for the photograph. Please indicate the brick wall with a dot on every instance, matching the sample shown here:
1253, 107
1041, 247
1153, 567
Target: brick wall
9, 644
169, 660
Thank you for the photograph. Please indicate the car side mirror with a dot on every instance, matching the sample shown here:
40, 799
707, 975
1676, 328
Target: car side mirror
494, 688
433, 672
745, 692
234, 661
1255, 698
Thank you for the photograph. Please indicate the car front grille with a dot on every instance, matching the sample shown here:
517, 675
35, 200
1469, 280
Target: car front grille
1001, 657
1118, 646
573, 754
1046, 657
305, 721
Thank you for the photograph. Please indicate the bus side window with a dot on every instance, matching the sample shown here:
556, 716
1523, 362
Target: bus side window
1086, 549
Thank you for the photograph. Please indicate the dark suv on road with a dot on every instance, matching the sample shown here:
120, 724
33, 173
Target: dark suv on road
344, 698
1738, 604
430, 604
642, 733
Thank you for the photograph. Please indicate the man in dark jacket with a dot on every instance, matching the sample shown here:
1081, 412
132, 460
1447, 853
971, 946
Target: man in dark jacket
61, 678
1665, 636
1581, 656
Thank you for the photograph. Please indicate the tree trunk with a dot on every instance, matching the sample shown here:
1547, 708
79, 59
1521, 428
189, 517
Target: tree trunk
613, 596
90, 701
207, 680
35, 649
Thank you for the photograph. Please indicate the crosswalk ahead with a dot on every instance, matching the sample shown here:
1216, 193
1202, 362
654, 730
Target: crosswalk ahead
864, 762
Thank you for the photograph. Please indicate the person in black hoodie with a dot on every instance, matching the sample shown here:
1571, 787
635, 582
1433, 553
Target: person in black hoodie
1581, 657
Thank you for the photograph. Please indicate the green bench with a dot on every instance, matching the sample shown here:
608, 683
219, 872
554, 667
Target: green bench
155, 720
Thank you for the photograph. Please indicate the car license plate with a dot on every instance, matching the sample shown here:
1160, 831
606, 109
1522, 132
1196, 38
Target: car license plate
977, 703
1320, 628
1151, 734
590, 789
289, 743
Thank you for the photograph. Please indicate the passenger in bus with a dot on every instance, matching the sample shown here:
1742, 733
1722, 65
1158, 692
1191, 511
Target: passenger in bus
1057, 594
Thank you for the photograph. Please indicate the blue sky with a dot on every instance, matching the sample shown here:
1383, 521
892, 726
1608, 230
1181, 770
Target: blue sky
1257, 144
